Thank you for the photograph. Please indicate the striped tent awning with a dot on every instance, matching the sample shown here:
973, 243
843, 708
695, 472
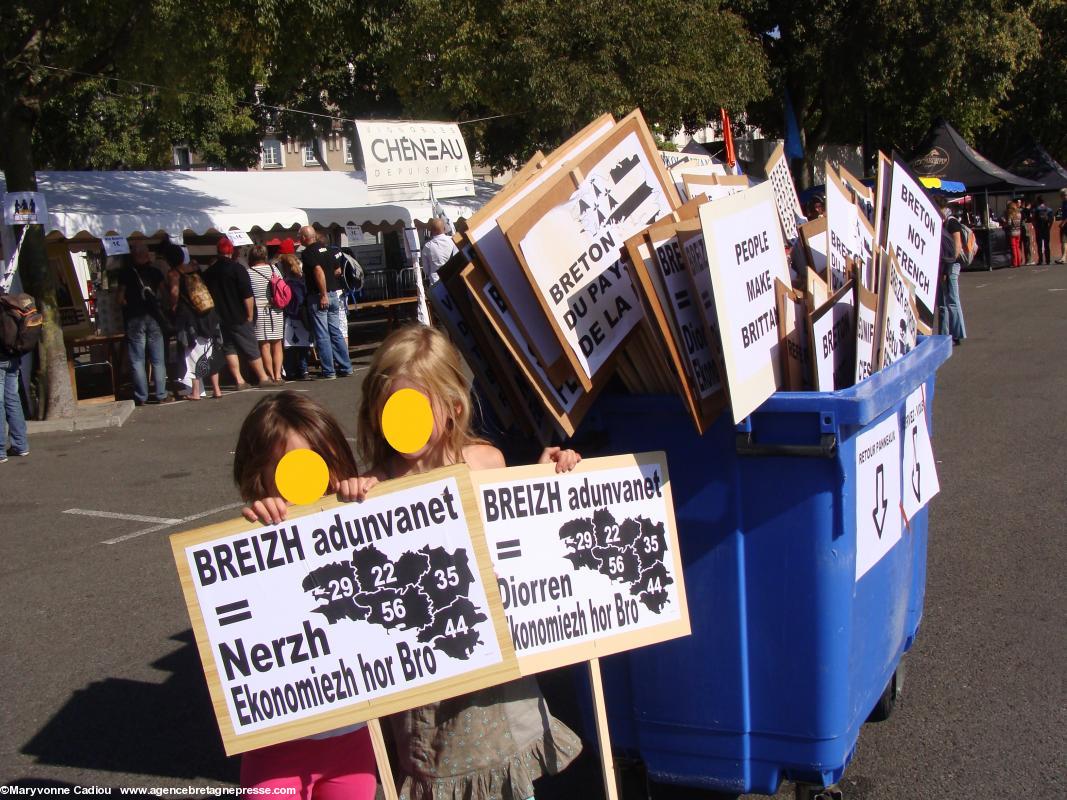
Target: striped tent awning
952, 187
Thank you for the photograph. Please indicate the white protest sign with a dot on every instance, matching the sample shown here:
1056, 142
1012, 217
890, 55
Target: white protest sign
239, 238
866, 325
346, 614
571, 249
834, 339
919, 467
25, 208
866, 259
402, 160
840, 230
899, 324
587, 561
115, 245
745, 255
913, 234
816, 246
663, 239
793, 339
671, 160
785, 193
354, 233
878, 523
696, 260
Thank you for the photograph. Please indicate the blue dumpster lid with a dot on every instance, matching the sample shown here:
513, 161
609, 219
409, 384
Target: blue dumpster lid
864, 402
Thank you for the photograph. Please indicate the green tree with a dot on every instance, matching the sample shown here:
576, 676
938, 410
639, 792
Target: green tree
896, 65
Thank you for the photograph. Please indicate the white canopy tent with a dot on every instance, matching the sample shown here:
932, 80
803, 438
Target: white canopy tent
126, 203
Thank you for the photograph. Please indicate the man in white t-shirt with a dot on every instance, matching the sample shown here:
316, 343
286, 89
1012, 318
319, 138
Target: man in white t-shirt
437, 250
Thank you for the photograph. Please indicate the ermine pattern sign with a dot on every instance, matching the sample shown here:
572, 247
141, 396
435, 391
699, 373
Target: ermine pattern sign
587, 562
878, 523
920, 469
339, 610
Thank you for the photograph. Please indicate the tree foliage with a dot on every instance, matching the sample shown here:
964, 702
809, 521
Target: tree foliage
899, 63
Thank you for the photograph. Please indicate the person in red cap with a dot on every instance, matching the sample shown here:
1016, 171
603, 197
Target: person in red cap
231, 288
287, 248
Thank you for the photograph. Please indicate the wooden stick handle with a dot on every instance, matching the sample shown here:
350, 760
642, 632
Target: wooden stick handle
381, 756
607, 762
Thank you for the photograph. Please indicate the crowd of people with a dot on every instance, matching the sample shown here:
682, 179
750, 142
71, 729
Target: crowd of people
267, 315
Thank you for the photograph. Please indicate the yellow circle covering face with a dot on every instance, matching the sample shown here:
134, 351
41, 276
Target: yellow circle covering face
407, 420
302, 476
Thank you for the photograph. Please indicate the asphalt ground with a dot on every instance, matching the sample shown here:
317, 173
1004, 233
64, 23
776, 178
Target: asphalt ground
102, 685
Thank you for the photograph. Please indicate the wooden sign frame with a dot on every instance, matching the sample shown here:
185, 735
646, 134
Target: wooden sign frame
747, 393
506, 670
692, 184
817, 292
608, 644
500, 261
794, 342
810, 232
849, 341
567, 419
521, 218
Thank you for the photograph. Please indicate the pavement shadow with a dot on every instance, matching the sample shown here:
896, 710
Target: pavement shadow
127, 726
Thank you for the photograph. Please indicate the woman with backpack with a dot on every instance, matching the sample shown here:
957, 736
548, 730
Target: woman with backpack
298, 338
195, 321
269, 290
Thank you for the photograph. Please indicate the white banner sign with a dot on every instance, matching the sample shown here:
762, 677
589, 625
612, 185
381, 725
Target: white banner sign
899, 324
913, 233
239, 238
878, 523
115, 245
832, 332
587, 561
25, 208
403, 159
920, 469
866, 324
840, 230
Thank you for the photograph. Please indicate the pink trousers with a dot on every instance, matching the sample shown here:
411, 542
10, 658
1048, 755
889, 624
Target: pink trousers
338, 768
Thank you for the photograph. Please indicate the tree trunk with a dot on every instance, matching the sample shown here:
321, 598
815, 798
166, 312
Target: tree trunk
51, 380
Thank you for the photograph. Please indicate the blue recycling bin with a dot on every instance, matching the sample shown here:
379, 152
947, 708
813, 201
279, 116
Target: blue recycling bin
789, 652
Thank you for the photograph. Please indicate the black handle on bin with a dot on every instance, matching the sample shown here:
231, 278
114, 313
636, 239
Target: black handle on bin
826, 448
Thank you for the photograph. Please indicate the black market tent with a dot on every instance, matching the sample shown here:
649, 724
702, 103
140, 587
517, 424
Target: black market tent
944, 154
1034, 162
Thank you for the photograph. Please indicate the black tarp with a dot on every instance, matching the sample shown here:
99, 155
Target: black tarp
1034, 162
944, 154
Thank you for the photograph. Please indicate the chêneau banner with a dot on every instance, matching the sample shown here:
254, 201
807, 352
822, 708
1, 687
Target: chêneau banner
587, 561
913, 233
404, 159
745, 255
347, 613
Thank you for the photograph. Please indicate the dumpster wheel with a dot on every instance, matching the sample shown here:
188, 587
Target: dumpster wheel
883, 709
811, 791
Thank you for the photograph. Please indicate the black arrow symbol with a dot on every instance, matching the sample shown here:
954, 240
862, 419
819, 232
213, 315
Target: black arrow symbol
916, 469
879, 491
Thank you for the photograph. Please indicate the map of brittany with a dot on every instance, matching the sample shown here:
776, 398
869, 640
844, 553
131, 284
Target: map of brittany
424, 590
631, 553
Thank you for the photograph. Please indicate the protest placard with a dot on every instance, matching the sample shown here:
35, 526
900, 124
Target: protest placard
568, 239
793, 341
813, 239
695, 255
842, 245
833, 341
745, 255
866, 262
786, 200
913, 233
587, 561
866, 325
898, 324
566, 402
499, 261
713, 187
347, 612
877, 494
492, 387
882, 188
861, 193
692, 161
919, 467
679, 169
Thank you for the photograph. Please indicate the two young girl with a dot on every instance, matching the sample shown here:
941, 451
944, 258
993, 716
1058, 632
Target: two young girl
486, 745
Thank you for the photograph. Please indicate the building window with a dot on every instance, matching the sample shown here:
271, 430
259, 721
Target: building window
272, 154
309, 155
347, 148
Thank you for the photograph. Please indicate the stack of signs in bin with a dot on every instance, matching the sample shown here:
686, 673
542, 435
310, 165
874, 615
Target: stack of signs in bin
587, 561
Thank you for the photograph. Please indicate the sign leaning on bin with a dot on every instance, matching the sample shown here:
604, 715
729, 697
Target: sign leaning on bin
878, 522
919, 468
